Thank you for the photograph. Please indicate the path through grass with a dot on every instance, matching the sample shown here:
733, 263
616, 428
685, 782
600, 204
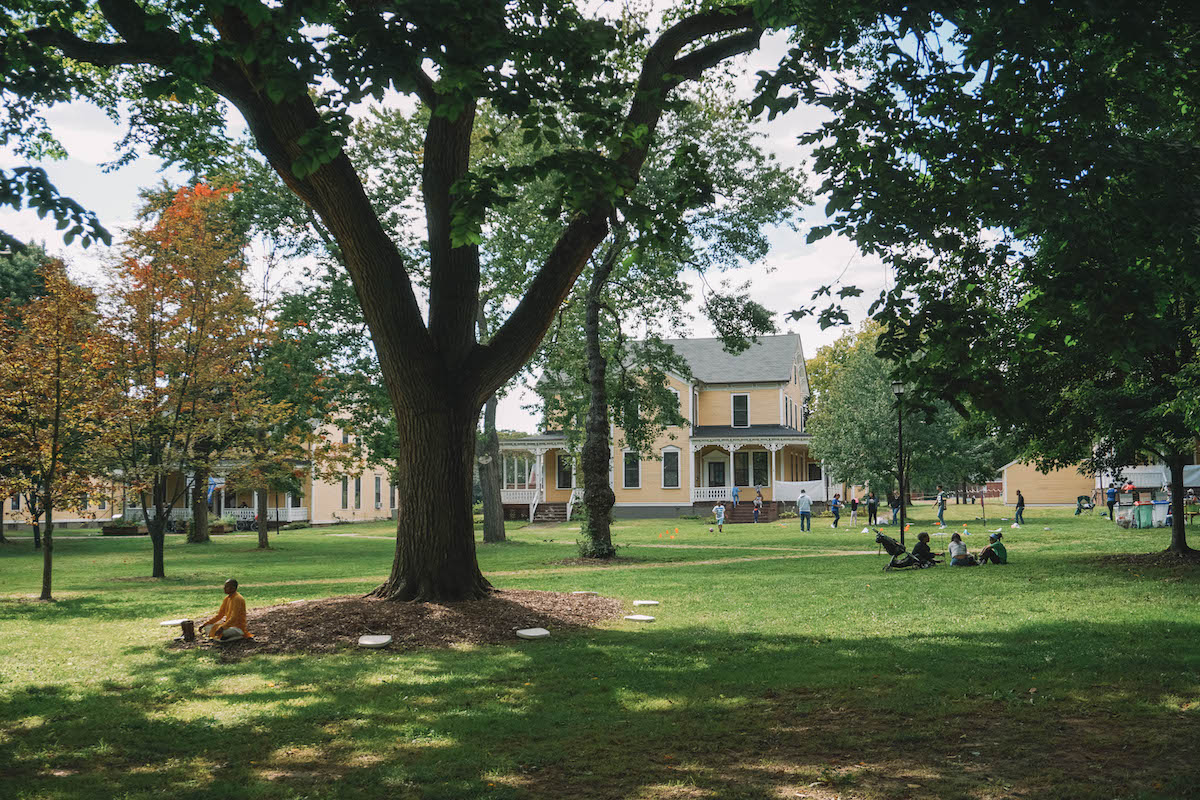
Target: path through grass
773, 670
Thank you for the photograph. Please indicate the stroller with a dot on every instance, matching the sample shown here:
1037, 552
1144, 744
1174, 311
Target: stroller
901, 558
1083, 503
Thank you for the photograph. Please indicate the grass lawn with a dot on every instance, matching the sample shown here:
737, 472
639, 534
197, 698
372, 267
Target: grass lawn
782, 664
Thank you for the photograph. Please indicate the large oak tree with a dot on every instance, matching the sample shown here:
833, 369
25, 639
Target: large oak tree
294, 71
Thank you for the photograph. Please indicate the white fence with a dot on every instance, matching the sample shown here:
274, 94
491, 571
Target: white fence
704, 494
530, 497
245, 514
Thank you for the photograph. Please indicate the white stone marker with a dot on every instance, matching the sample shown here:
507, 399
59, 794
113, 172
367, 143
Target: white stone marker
645, 602
587, 594
533, 633
374, 642
172, 623
639, 618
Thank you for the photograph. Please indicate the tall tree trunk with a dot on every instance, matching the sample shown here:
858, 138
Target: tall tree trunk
48, 550
3, 500
158, 535
598, 495
1178, 535
263, 541
435, 529
199, 532
490, 477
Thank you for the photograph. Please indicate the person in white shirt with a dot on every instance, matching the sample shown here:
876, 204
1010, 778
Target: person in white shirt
959, 557
719, 513
804, 509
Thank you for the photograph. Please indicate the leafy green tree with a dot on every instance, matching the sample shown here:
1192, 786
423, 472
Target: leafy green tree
1030, 170
20, 279
709, 194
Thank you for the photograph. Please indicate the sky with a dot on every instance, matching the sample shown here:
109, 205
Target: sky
783, 281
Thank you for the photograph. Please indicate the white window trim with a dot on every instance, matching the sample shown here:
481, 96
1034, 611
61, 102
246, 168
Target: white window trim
678, 467
624, 454
558, 457
732, 396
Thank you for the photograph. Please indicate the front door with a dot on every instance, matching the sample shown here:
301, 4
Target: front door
716, 473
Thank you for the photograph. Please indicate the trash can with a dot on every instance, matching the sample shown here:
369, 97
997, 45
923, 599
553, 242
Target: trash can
1162, 512
1143, 515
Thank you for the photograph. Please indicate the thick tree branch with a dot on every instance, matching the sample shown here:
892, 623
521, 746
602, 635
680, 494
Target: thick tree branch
518, 338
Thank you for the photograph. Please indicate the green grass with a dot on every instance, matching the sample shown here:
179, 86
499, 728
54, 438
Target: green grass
781, 664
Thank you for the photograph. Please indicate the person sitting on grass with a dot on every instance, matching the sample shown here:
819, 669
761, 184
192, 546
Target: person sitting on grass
922, 552
959, 557
230, 621
994, 552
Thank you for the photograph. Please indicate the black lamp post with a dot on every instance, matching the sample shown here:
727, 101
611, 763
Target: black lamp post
898, 390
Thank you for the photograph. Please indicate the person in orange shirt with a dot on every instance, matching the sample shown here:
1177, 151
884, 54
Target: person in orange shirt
231, 617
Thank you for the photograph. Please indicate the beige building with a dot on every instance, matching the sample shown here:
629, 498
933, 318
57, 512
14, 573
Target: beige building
1058, 487
746, 430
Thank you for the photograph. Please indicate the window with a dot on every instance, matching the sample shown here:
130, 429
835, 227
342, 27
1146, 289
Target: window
741, 410
677, 406
814, 471
345, 438
103, 503
741, 468
358, 492
762, 468
16, 502
695, 405
633, 470
565, 471
293, 500
670, 468
345, 492
378, 492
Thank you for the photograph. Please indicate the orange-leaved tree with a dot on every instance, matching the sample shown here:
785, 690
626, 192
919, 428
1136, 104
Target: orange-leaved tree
57, 398
184, 321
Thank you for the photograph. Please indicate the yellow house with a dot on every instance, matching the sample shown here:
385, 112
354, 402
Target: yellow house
1058, 487
746, 430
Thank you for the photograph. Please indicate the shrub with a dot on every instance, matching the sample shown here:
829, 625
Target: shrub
787, 514
295, 526
589, 549
228, 521
689, 516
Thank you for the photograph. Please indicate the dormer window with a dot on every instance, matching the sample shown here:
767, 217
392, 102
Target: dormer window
741, 410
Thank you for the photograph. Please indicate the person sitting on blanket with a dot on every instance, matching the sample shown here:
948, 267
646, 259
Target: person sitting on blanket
959, 557
994, 552
230, 621
922, 552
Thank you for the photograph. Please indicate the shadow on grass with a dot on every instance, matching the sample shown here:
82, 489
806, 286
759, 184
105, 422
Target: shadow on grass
646, 713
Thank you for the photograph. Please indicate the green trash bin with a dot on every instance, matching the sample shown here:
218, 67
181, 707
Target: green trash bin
1143, 515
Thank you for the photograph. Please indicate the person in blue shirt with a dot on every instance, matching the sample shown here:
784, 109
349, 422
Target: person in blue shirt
735, 496
1111, 497
836, 507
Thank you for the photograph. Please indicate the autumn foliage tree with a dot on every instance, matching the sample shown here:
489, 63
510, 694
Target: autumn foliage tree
184, 321
57, 398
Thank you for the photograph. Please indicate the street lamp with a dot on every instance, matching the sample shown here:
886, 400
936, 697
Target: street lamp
898, 390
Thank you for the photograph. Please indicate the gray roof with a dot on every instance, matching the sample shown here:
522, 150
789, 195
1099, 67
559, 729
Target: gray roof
768, 360
730, 432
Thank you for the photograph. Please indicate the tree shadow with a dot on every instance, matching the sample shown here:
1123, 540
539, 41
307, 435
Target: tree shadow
689, 712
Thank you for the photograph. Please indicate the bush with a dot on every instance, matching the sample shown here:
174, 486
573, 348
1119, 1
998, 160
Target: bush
477, 508
588, 549
295, 526
787, 515
689, 516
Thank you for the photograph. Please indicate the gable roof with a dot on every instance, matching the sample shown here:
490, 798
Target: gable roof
767, 360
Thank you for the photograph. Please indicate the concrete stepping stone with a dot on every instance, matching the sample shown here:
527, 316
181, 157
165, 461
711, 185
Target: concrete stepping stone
533, 633
172, 623
639, 618
587, 594
645, 602
374, 642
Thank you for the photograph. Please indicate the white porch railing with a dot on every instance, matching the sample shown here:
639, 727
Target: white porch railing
703, 494
576, 497
521, 497
247, 514
788, 491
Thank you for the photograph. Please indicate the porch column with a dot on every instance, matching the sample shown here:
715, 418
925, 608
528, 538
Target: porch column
774, 477
730, 480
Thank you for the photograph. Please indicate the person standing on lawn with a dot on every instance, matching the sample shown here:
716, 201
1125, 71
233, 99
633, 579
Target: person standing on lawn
1020, 520
941, 505
719, 513
853, 510
1111, 499
894, 505
231, 616
804, 509
836, 507
872, 509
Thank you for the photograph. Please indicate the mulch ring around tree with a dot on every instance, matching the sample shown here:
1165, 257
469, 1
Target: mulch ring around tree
1184, 563
325, 625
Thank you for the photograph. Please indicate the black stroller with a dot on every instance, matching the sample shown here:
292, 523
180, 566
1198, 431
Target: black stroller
901, 558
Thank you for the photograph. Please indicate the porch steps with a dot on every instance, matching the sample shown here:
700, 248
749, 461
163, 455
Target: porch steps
550, 512
745, 512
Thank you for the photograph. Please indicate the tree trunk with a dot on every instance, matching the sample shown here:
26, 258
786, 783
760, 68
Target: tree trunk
199, 532
158, 536
263, 541
48, 551
3, 500
35, 520
1178, 534
435, 529
490, 477
598, 495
